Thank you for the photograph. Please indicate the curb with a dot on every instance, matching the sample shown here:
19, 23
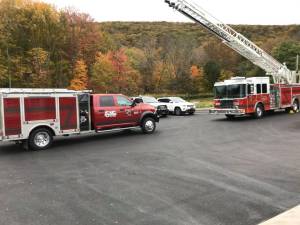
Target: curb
203, 110
291, 217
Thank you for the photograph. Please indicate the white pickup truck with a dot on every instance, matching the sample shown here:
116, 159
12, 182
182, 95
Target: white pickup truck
178, 106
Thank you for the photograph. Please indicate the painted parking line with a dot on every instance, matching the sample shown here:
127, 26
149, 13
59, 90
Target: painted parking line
291, 217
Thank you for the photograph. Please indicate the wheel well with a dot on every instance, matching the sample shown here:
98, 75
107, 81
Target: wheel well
43, 127
151, 115
148, 115
296, 99
260, 103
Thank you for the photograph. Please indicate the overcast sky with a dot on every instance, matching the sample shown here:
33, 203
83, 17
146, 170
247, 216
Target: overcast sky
229, 11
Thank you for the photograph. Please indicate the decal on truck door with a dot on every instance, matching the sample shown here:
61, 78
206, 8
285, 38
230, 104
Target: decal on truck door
12, 116
110, 114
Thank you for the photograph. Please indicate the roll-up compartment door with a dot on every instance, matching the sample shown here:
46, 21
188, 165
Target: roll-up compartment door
68, 113
1, 117
39, 108
12, 116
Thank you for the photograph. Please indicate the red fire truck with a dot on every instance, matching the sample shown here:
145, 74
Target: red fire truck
240, 96
254, 96
34, 116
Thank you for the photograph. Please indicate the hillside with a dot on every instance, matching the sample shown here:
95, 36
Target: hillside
41, 46
131, 34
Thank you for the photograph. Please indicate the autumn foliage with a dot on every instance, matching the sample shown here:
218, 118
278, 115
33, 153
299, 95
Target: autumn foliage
80, 80
41, 46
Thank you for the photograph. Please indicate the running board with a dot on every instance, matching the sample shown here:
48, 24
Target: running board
117, 129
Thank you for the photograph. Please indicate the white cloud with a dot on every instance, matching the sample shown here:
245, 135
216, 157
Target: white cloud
229, 11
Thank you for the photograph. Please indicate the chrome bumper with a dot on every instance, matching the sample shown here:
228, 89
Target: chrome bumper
237, 112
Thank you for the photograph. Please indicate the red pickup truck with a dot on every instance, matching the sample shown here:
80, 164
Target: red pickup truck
34, 116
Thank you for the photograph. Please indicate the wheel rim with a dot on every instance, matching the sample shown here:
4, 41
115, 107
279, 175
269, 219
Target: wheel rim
177, 112
259, 111
42, 139
295, 106
149, 125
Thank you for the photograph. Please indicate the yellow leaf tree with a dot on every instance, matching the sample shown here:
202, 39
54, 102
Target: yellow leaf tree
80, 80
225, 75
39, 67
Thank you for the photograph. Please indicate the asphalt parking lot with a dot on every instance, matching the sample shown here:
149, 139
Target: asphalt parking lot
195, 170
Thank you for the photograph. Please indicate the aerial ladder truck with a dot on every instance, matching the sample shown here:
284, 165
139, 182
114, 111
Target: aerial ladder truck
279, 89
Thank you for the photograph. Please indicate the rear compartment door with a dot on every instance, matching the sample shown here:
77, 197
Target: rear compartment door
39, 108
12, 116
68, 113
286, 96
1, 118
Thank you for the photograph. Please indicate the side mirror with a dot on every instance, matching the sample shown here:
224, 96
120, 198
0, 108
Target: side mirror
135, 102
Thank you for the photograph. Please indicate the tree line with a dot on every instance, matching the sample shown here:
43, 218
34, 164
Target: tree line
41, 46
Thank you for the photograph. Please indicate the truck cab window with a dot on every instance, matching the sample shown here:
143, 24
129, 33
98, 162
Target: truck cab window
250, 89
107, 101
264, 88
122, 101
258, 88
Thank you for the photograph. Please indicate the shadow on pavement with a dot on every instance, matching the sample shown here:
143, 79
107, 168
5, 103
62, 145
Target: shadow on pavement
266, 117
63, 142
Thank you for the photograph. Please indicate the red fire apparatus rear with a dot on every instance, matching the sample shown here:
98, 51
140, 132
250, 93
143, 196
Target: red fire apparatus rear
34, 116
254, 96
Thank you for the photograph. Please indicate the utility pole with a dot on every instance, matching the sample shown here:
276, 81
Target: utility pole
8, 67
297, 64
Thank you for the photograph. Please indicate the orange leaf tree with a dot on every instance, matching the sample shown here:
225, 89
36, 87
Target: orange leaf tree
80, 80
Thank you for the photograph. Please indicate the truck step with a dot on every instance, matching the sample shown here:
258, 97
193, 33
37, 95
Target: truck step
117, 129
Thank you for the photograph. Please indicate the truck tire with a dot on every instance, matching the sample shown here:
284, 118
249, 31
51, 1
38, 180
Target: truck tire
148, 125
40, 139
295, 106
259, 111
178, 111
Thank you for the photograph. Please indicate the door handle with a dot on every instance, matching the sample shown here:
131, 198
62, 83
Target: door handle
122, 110
101, 111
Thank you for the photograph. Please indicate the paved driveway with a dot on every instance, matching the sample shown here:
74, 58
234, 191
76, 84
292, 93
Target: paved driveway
194, 170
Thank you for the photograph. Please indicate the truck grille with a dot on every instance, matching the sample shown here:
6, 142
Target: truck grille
162, 107
226, 104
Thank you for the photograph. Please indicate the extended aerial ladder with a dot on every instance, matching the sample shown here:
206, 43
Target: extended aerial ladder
278, 71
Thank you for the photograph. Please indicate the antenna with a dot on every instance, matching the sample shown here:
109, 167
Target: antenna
297, 64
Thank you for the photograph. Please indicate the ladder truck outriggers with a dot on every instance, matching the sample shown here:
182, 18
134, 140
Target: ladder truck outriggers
279, 89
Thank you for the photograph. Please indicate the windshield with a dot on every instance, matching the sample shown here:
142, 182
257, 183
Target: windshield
177, 100
220, 92
149, 100
230, 91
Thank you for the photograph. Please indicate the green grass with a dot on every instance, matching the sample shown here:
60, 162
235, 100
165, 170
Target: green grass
203, 102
